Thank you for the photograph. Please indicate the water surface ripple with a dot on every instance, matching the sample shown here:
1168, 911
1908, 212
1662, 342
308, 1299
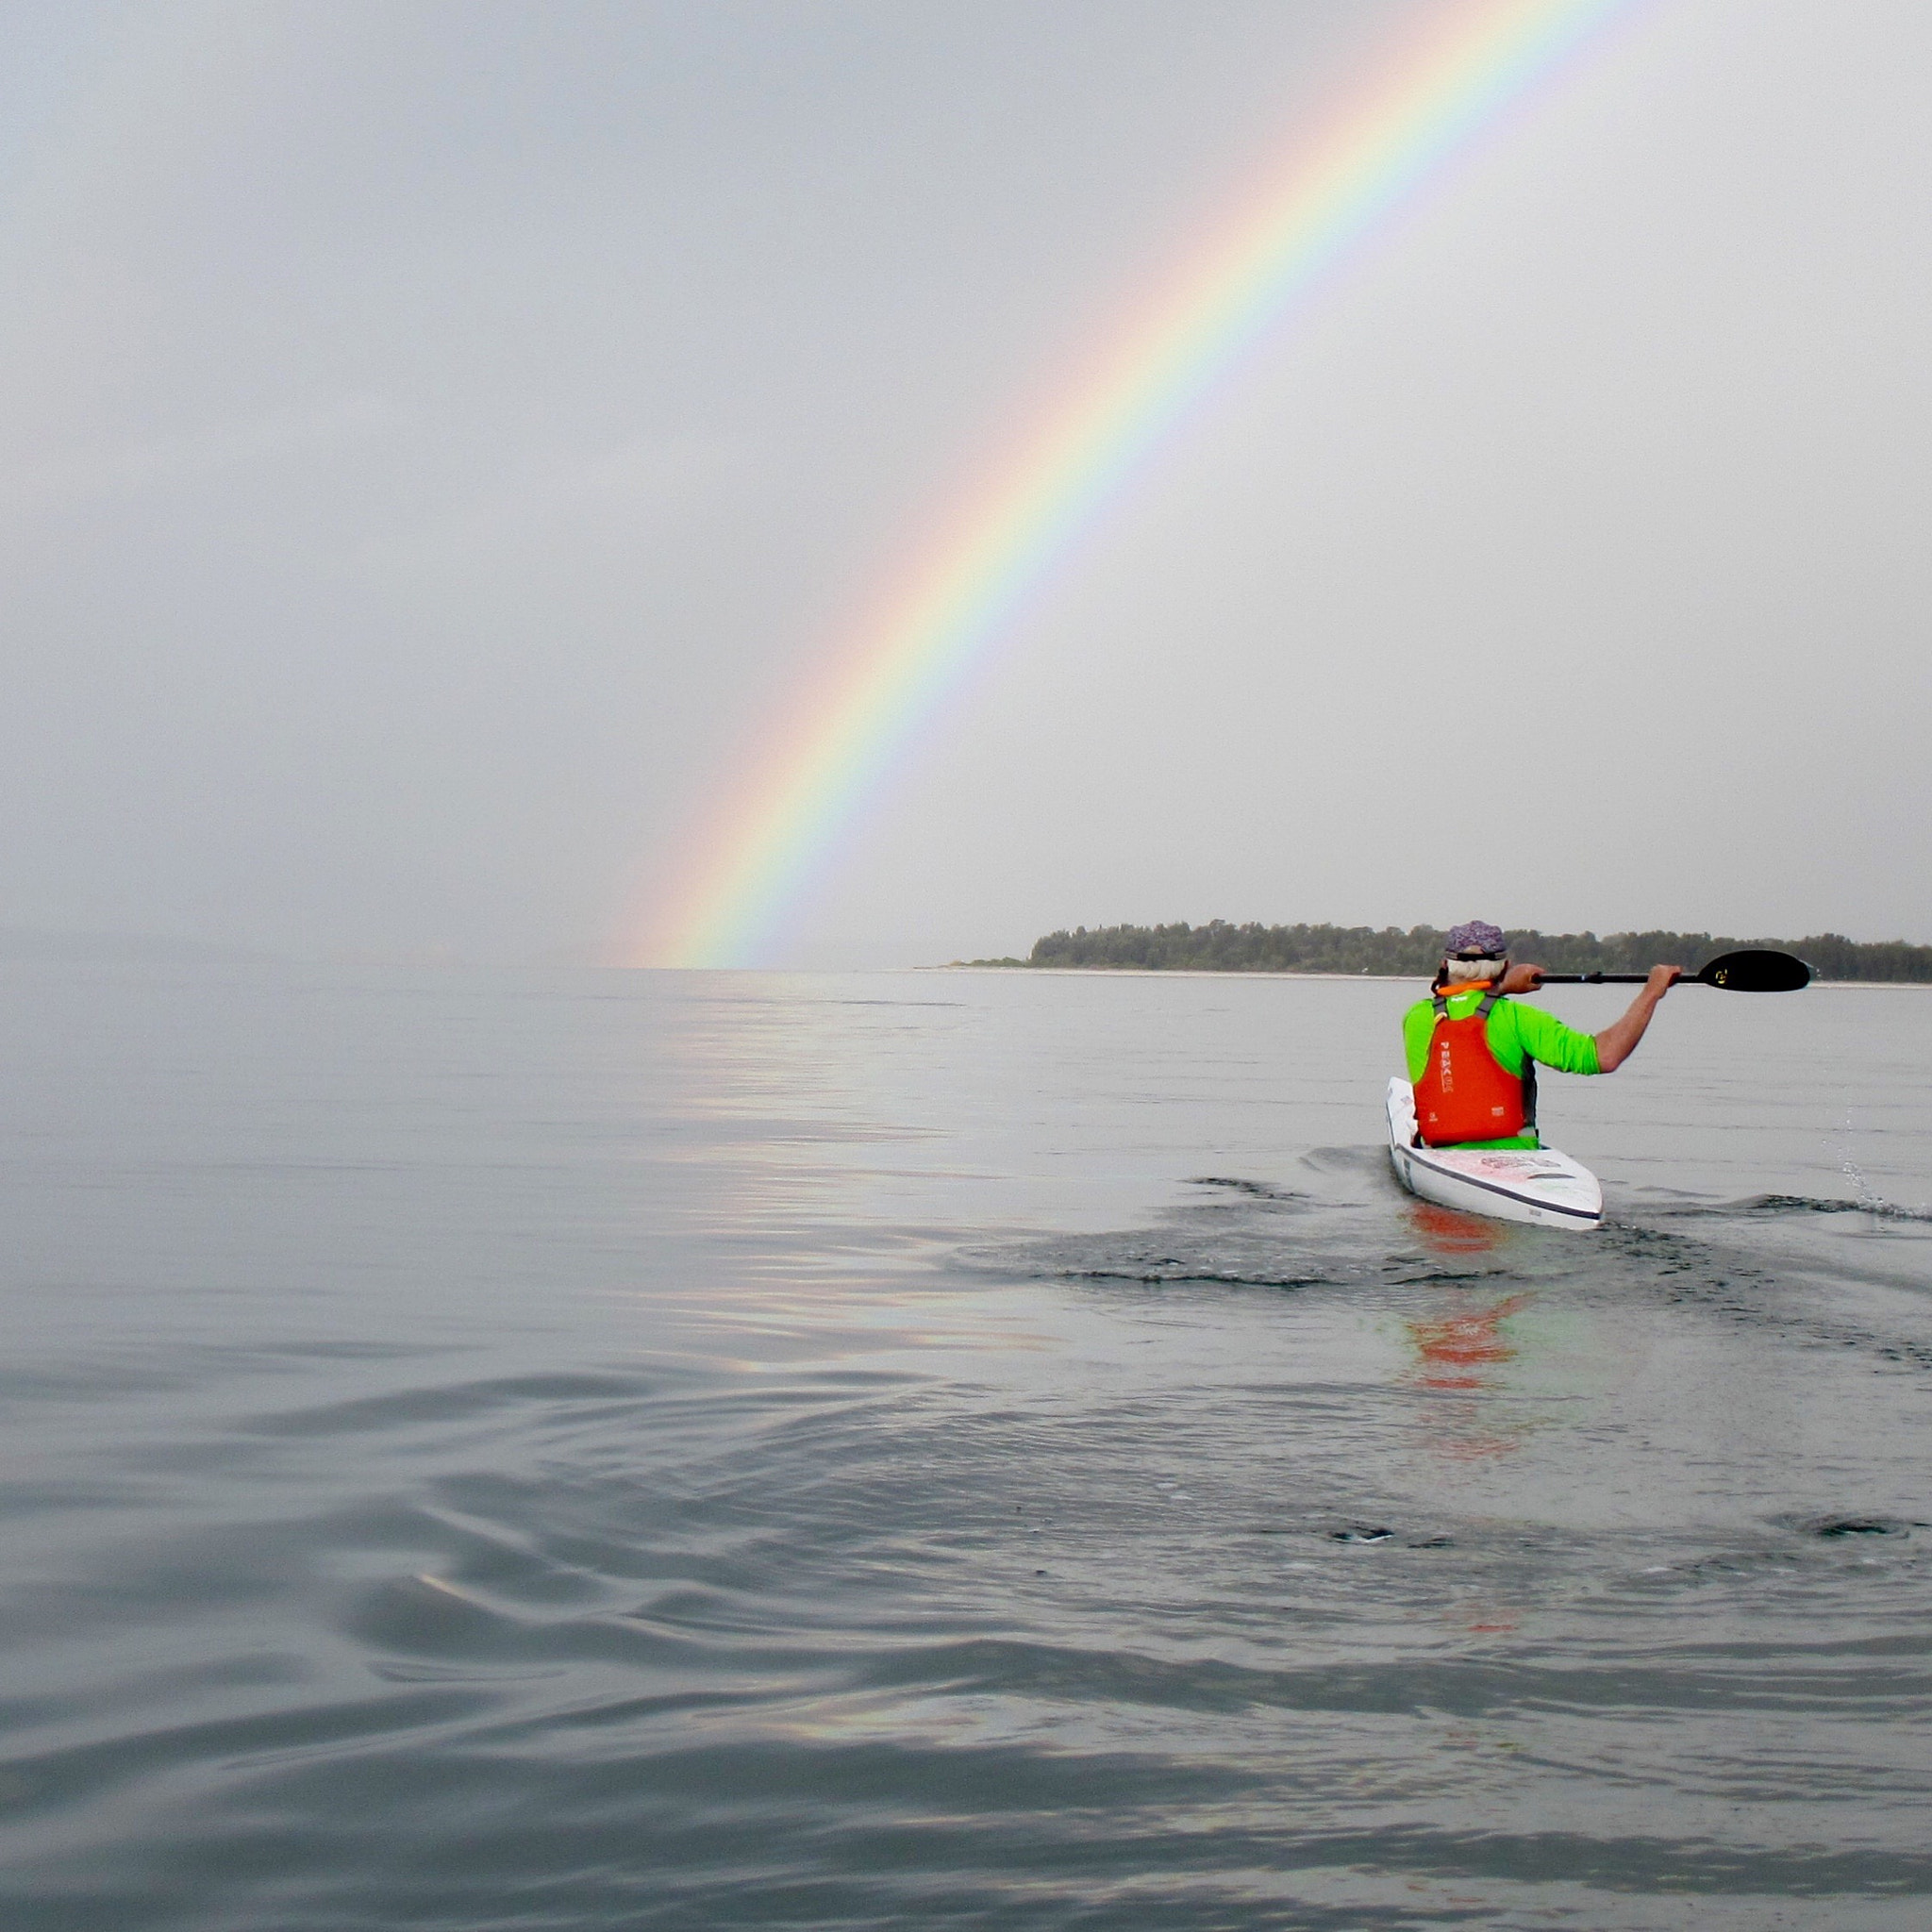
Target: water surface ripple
961, 1449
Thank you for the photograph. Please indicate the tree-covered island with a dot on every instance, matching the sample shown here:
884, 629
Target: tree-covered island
1390, 950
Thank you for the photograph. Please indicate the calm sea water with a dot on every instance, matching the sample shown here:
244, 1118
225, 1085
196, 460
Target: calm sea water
947, 1449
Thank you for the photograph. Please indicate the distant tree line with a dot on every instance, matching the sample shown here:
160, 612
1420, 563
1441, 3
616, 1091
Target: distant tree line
1220, 947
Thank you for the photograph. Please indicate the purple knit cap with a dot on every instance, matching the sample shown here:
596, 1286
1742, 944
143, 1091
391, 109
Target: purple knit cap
1475, 935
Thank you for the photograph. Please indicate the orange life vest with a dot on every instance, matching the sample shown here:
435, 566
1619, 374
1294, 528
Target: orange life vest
1465, 1093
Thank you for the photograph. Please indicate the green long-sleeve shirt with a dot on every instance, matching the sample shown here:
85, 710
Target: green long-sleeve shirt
1515, 1034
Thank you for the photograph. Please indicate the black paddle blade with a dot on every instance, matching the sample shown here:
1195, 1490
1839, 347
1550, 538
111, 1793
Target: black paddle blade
1755, 970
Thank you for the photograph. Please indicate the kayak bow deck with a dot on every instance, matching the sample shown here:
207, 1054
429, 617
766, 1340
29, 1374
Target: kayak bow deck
1537, 1186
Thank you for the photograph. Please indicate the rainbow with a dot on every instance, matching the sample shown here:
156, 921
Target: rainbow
761, 851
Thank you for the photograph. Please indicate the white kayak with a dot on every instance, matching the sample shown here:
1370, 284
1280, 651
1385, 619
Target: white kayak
1536, 1185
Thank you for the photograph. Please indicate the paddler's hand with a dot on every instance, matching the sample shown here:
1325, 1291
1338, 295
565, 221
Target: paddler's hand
1661, 980
1523, 979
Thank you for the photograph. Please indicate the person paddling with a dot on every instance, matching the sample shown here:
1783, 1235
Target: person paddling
1472, 1052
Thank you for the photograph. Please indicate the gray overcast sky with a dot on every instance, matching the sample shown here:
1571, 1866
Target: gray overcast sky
437, 434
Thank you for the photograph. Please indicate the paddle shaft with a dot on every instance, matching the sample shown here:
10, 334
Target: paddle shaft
1611, 980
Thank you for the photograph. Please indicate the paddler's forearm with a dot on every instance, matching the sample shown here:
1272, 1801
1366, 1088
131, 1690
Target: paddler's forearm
1618, 1041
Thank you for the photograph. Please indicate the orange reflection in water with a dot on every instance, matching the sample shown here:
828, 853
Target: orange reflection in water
1462, 1358
1460, 1355
1445, 1231
1459, 1352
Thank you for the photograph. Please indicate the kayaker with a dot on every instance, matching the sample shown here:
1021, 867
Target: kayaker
1473, 1052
